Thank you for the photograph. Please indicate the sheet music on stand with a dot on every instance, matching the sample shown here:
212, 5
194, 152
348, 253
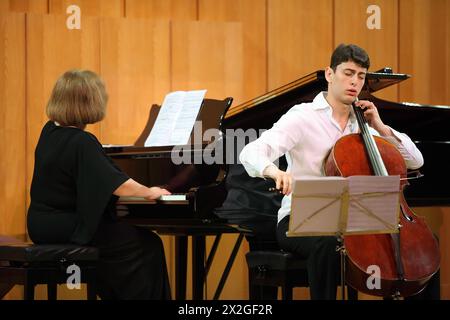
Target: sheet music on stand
176, 118
337, 205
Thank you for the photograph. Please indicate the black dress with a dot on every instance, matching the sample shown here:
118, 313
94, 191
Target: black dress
72, 201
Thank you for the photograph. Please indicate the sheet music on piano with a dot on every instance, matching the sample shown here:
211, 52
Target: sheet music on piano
176, 119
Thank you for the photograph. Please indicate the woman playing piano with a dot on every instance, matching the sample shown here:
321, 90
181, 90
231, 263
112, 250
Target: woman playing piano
74, 189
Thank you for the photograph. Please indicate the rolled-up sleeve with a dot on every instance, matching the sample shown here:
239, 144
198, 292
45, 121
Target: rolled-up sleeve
254, 157
412, 155
273, 143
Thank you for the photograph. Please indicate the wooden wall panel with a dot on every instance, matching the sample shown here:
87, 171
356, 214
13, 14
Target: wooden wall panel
208, 55
97, 8
252, 14
299, 39
12, 124
135, 63
445, 253
52, 49
12, 129
35, 6
425, 51
350, 26
162, 9
438, 220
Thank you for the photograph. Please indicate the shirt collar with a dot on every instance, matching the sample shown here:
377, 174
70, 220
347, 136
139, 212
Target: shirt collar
320, 103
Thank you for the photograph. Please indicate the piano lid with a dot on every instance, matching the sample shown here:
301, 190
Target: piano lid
298, 91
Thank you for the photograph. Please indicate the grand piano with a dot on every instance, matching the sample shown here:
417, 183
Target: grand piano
426, 125
197, 190
220, 195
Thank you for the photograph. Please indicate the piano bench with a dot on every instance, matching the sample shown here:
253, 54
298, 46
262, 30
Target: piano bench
277, 268
30, 264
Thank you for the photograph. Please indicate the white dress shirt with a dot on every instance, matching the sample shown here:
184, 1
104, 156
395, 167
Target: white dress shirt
306, 134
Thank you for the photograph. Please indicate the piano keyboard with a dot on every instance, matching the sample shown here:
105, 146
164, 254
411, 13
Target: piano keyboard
177, 198
173, 197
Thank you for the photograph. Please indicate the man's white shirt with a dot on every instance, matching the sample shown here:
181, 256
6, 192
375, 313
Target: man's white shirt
306, 134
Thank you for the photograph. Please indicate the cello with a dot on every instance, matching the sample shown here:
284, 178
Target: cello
407, 259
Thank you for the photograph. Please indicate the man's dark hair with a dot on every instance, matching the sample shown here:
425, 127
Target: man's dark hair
349, 52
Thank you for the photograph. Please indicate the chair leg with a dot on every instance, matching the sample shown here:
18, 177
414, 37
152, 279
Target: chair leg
51, 291
253, 292
352, 293
91, 291
252, 289
90, 278
28, 291
286, 292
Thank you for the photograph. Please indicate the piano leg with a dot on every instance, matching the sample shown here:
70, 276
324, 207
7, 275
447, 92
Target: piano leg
180, 267
198, 266
230, 262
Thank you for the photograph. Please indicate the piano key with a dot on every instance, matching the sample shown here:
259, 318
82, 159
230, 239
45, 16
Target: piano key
134, 200
173, 197
166, 199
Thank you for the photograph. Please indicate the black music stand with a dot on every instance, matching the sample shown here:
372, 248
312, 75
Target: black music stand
337, 206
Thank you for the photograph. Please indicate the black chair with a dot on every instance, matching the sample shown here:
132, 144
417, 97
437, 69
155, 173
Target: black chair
29, 264
277, 268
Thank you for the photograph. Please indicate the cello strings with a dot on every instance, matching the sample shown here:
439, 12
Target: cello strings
369, 143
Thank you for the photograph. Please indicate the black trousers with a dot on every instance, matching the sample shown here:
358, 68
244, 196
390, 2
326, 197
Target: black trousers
132, 264
323, 261
263, 237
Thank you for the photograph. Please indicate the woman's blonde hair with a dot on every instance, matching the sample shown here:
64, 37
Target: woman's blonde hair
78, 98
